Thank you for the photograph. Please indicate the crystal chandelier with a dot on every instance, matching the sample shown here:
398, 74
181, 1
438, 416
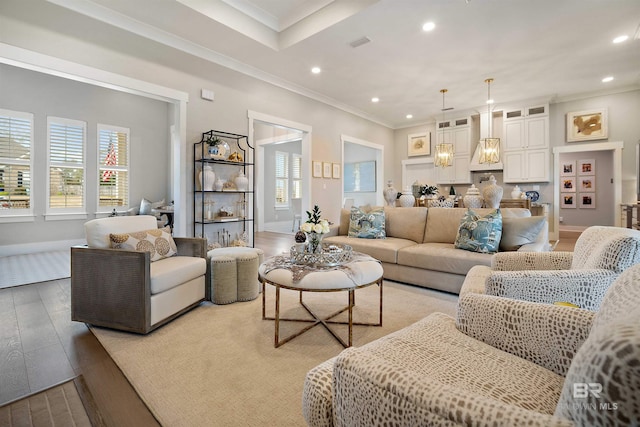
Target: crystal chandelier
489, 147
444, 151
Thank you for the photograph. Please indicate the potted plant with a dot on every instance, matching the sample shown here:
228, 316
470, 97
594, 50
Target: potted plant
213, 142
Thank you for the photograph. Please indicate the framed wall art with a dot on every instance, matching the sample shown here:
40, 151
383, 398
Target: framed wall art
586, 167
567, 185
568, 168
587, 200
317, 169
336, 171
326, 170
419, 144
568, 201
587, 125
587, 183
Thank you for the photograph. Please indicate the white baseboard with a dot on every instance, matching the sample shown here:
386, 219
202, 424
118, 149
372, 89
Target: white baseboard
30, 248
579, 228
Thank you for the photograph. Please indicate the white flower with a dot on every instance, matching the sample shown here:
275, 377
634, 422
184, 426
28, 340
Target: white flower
318, 228
325, 229
307, 227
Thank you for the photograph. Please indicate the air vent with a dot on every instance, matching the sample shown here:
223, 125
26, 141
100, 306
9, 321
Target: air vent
360, 42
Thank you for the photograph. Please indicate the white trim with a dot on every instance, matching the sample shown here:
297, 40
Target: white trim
379, 169
17, 218
30, 248
616, 147
66, 216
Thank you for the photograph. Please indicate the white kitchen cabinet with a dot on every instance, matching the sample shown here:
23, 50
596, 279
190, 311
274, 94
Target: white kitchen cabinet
526, 166
526, 144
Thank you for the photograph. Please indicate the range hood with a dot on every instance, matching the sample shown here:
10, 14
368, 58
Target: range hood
476, 166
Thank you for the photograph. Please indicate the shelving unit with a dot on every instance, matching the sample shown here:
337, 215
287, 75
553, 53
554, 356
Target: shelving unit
223, 216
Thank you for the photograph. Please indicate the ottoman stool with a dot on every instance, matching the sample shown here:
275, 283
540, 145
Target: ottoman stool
234, 274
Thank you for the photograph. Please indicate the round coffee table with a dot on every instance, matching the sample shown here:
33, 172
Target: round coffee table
279, 272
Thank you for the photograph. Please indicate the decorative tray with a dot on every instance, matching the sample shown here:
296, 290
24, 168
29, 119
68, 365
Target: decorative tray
331, 255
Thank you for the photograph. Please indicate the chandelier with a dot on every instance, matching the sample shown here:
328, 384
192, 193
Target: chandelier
444, 150
489, 147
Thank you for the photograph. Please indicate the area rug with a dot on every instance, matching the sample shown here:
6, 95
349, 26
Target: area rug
217, 365
32, 268
66, 404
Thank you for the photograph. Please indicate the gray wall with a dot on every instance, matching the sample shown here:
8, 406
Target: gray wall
46, 95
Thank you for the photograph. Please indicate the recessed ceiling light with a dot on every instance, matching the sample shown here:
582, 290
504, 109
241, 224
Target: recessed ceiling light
375, 99
316, 70
409, 116
428, 26
607, 79
621, 39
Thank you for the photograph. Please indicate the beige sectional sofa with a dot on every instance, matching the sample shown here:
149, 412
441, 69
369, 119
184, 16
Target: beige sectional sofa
419, 247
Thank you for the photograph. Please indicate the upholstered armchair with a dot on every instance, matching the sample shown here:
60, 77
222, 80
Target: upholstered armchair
503, 362
123, 288
581, 277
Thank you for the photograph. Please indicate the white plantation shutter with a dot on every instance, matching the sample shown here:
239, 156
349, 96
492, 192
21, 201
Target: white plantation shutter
16, 142
66, 178
296, 176
282, 179
113, 167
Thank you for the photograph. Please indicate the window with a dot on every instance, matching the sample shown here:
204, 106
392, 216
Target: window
113, 167
282, 179
296, 190
66, 172
16, 141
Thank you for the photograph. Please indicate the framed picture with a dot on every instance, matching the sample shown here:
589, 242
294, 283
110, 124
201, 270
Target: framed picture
360, 177
326, 170
568, 168
317, 169
419, 144
568, 201
567, 185
336, 170
587, 200
586, 167
587, 183
587, 125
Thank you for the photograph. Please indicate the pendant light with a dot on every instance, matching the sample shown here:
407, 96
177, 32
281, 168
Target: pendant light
444, 151
489, 147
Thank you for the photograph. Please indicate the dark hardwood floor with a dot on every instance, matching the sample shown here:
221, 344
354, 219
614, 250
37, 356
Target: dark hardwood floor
40, 346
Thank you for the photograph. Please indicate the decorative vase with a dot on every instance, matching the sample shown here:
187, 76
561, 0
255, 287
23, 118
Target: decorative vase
314, 242
241, 181
516, 192
472, 199
207, 178
219, 185
213, 151
390, 194
492, 193
407, 200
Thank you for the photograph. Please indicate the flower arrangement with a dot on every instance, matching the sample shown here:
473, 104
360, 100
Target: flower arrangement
315, 223
213, 141
428, 190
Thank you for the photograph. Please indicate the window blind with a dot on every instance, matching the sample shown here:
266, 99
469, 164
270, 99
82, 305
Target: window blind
113, 167
16, 136
282, 179
66, 142
296, 173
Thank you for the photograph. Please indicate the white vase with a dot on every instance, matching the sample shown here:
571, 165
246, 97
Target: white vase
492, 193
207, 178
390, 194
407, 199
241, 181
219, 184
516, 192
472, 199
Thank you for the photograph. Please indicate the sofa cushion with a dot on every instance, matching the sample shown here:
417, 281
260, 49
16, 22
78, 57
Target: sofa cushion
441, 257
406, 223
157, 241
384, 250
171, 272
97, 230
520, 231
480, 233
367, 225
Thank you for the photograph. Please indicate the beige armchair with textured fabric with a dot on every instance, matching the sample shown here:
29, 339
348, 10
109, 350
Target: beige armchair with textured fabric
581, 277
123, 289
503, 362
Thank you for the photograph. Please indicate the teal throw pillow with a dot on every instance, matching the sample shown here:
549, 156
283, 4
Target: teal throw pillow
367, 225
480, 233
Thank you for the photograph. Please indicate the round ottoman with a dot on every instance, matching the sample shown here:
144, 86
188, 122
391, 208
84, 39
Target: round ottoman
234, 274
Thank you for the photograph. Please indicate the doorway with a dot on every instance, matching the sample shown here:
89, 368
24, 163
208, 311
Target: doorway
275, 137
363, 177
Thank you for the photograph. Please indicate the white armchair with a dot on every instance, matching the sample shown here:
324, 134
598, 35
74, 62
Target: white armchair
581, 277
124, 289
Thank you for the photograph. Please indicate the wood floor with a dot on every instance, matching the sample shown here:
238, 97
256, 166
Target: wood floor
40, 346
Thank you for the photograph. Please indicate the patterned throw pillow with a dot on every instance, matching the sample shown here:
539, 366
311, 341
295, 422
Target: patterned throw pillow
158, 242
367, 225
480, 234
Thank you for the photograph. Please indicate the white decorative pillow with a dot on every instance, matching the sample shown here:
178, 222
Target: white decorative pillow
158, 242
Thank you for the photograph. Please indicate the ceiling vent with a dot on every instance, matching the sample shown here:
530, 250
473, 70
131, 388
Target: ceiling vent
360, 42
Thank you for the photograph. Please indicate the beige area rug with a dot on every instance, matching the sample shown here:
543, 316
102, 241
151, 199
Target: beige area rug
217, 366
